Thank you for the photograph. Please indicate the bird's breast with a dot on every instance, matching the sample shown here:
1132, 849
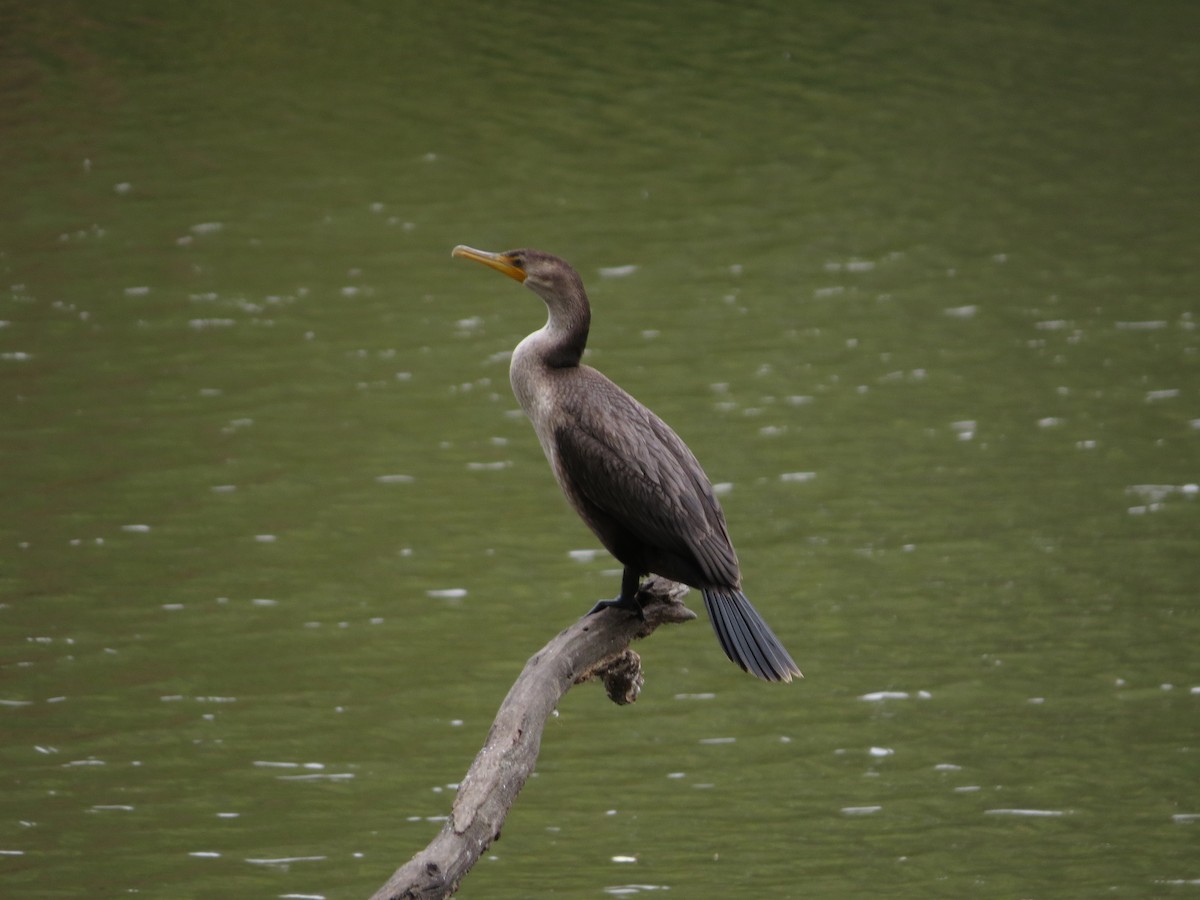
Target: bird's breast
536, 389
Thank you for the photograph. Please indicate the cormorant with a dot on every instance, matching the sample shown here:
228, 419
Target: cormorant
628, 475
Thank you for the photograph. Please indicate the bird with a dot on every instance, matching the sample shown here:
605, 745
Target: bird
628, 475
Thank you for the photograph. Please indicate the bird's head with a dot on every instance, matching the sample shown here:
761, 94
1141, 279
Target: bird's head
549, 277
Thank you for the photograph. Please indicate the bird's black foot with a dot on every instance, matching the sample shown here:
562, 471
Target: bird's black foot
629, 604
627, 600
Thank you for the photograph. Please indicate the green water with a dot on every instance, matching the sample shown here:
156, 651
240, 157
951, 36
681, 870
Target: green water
917, 283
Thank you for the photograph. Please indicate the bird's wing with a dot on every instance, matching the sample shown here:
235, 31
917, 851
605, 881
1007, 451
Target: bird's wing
626, 462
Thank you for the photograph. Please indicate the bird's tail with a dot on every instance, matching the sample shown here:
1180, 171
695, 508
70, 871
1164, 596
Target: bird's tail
746, 638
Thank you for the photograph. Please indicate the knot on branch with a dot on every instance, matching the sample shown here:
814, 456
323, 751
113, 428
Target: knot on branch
662, 604
622, 677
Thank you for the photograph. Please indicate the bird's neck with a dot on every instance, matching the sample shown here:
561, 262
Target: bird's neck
553, 349
559, 344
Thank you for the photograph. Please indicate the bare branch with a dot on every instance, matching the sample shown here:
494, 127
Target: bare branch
596, 646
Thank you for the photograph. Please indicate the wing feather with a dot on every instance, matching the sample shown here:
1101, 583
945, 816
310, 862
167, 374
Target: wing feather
622, 460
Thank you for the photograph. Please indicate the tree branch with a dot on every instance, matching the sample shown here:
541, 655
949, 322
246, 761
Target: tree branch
596, 646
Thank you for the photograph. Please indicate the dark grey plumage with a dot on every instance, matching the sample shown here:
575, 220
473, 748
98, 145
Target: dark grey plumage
628, 475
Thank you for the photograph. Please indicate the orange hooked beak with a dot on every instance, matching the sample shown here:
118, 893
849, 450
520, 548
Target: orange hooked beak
499, 261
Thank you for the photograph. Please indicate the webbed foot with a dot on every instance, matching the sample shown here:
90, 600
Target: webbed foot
629, 604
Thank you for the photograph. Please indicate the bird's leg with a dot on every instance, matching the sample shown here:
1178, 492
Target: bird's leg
631, 580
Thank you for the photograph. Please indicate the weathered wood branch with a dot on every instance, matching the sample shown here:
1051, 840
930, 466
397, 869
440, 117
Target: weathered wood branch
596, 646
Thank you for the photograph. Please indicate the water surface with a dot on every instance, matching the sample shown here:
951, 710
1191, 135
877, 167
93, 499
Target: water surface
917, 285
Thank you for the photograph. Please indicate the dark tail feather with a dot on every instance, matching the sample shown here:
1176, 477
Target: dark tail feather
746, 638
